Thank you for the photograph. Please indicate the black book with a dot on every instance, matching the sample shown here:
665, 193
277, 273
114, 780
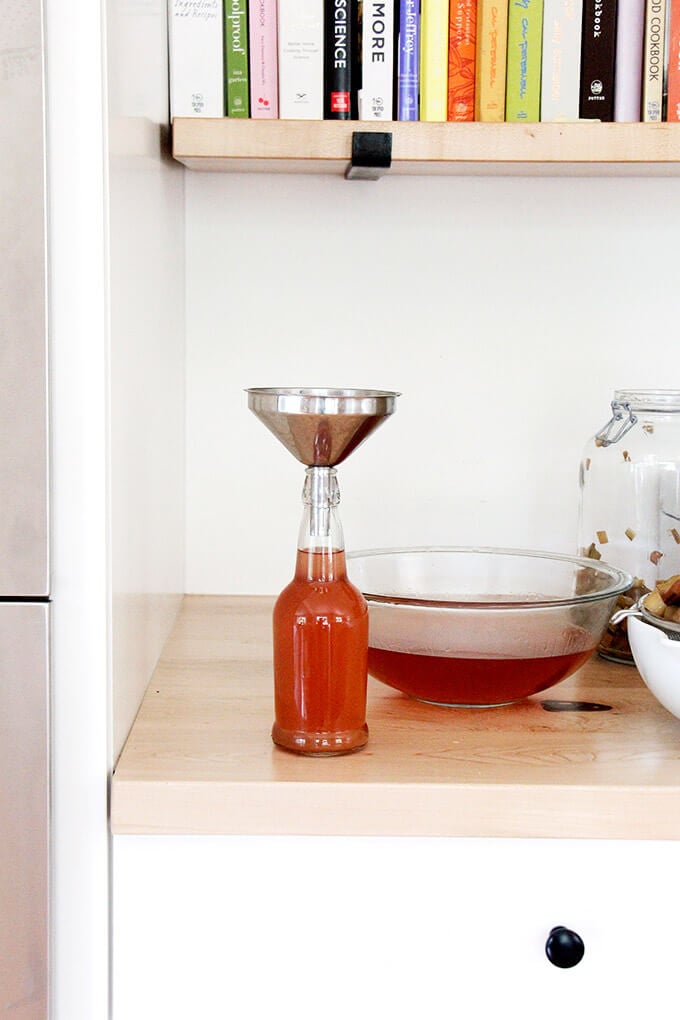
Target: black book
598, 52
340, 59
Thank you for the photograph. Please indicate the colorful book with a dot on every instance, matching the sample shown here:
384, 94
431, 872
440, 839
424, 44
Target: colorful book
408, 67
263, 59
462, 58
490, 60
236, 58
340, 42
434, 61
525, 44
598, 55
673, 109
301, 59
653, 53
630, 30
196, 51
376, 95
561, 60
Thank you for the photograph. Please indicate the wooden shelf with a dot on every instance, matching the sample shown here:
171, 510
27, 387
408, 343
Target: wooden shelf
586, 148
199, 758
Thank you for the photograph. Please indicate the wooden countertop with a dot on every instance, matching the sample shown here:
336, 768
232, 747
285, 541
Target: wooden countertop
199, 758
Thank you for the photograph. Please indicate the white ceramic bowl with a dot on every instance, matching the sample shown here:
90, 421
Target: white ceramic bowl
657, 657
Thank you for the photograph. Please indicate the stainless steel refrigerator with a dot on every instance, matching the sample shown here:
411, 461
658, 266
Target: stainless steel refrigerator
24, 516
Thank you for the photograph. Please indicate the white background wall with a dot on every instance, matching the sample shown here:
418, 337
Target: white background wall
505, 309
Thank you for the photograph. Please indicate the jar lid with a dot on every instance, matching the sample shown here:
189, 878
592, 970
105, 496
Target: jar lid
649, 400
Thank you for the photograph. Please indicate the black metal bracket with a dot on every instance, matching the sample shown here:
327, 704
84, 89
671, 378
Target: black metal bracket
371, 155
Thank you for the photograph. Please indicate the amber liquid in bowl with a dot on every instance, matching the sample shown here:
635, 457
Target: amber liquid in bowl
471, 682
467, 679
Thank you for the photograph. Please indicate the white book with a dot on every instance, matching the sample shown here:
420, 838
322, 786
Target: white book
377, 60
561, 60
630, 30
196, 58
301, 59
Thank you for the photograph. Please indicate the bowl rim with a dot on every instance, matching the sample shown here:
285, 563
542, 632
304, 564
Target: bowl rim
620, 581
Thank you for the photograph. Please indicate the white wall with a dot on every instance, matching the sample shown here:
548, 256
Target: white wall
506, 310
146, 224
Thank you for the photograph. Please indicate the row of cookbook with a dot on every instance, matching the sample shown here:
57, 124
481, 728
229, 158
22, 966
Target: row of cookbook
430, 60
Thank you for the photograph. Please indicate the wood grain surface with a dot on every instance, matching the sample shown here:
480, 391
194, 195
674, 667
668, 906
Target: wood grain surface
231, 144
199, 758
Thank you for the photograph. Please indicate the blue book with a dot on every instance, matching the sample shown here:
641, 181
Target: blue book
408, 60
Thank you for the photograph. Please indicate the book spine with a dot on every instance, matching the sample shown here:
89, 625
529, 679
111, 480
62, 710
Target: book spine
492, 46
673, 114
598, 53
196, 58
408, 71
561, 60
462, 57
236, 58
339, 59
630, 30
301, 59
263, 68
377, 60
653, 60
525, 44
434, 37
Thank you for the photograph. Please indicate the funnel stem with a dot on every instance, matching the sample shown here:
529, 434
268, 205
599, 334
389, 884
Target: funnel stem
321, 495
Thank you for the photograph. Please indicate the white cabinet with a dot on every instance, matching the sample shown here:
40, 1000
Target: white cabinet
215, 927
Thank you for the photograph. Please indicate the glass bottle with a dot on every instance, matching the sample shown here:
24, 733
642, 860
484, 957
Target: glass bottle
320, 636
630, 498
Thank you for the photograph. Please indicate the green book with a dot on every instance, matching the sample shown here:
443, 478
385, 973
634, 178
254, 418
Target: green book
236, 98
525, 43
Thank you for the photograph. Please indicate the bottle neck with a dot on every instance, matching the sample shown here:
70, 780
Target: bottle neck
321, 543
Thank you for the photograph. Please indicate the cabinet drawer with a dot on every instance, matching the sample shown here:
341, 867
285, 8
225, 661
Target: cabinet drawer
210, 927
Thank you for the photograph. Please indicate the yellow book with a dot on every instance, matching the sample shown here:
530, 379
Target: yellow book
492, 41
434, 42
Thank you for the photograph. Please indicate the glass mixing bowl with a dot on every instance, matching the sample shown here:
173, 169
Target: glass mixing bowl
481, 627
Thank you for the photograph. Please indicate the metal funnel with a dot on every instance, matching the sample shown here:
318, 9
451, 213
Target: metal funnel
321, 427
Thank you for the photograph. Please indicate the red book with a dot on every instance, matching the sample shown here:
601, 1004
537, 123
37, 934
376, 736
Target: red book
673, 108
462, 44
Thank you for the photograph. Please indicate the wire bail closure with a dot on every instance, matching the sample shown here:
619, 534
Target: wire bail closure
621, 422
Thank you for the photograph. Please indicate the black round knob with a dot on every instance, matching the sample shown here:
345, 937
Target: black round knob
564, 948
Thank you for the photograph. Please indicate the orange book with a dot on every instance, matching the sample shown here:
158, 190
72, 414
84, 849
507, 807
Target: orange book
673, 106
462, 43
